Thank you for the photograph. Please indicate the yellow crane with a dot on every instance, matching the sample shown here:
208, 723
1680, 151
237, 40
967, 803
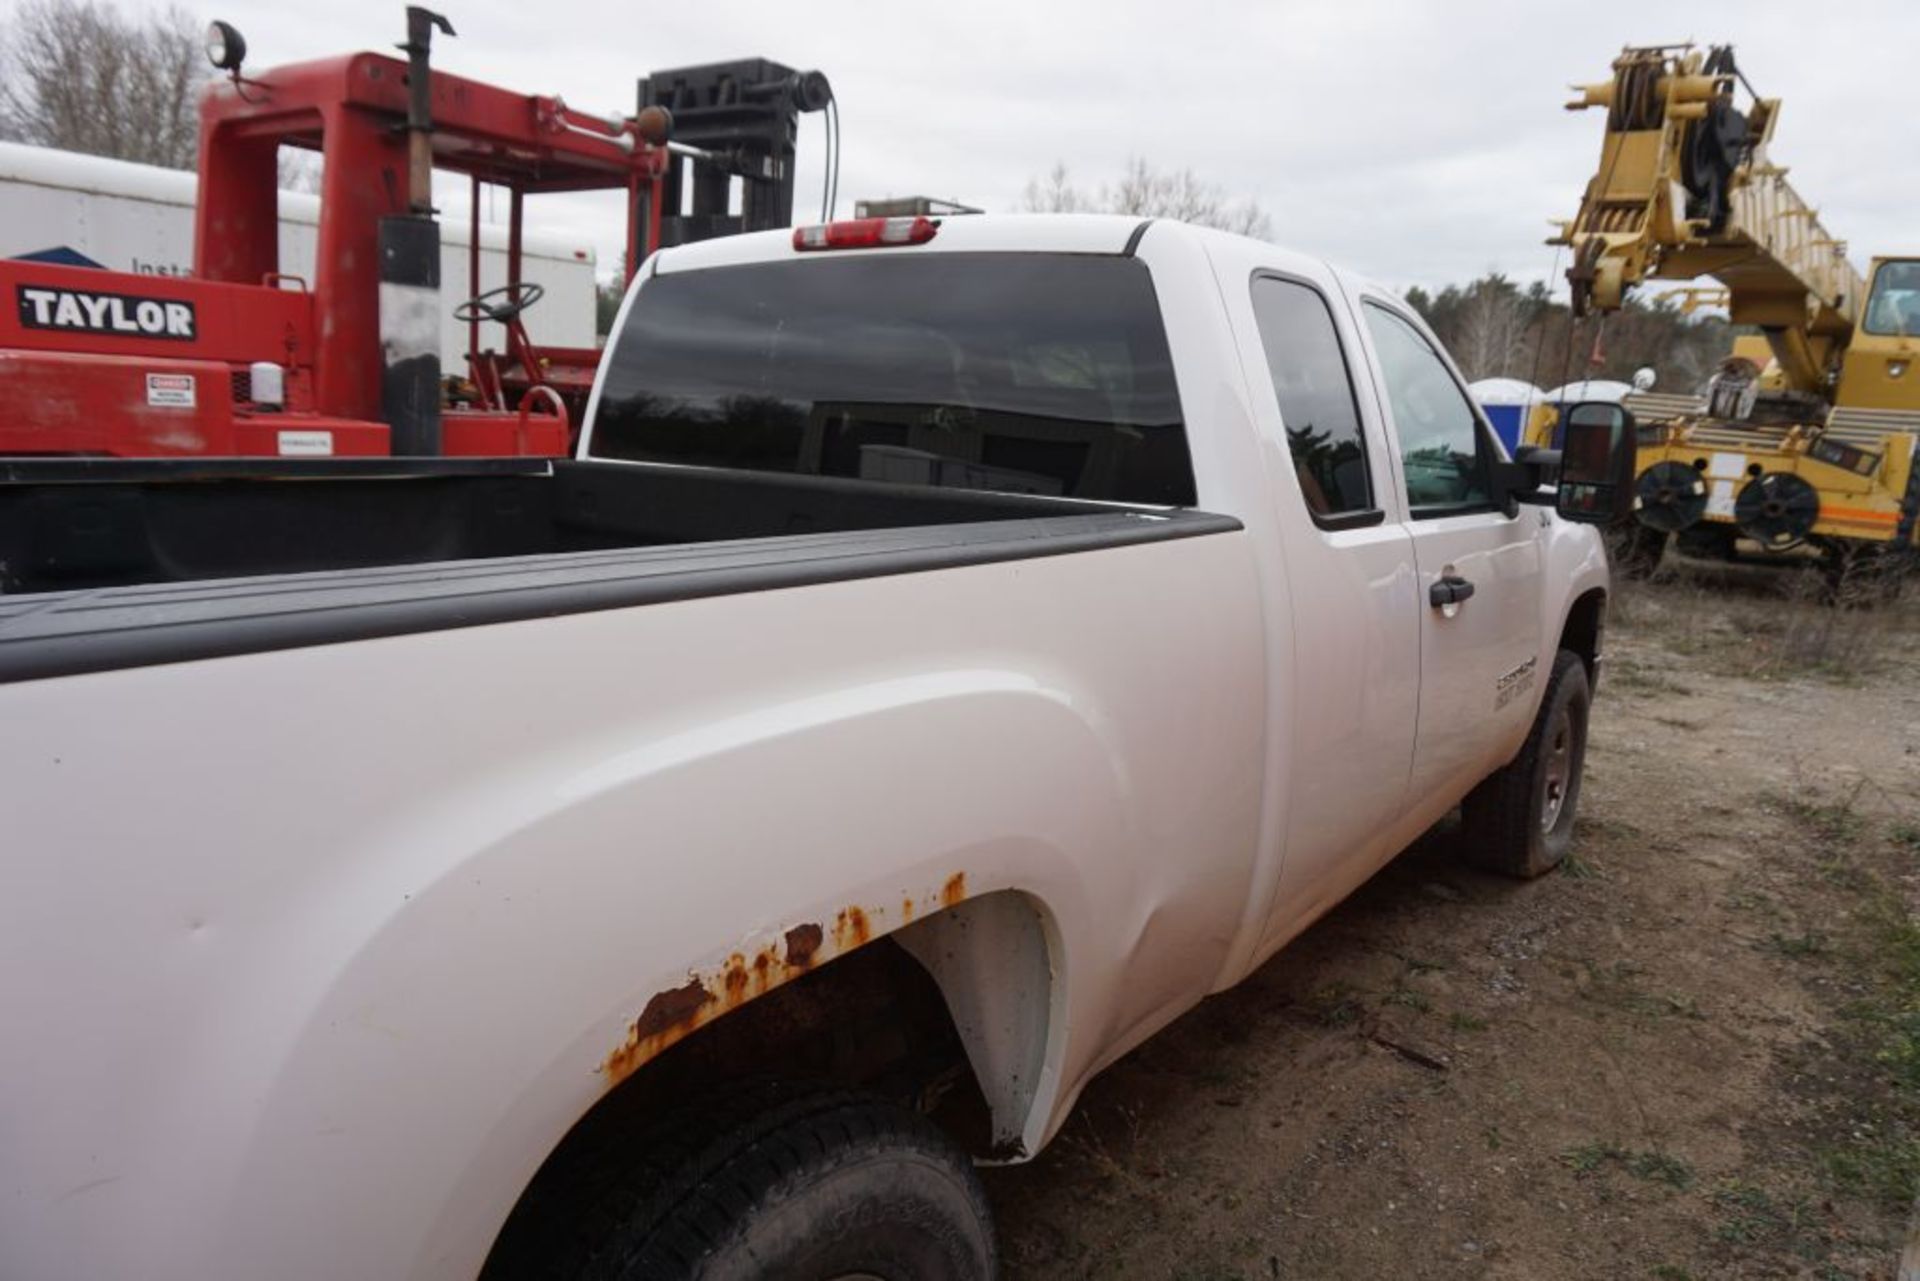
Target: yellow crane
1805, 436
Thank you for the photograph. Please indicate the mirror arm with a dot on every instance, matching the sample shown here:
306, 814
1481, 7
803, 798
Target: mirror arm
1527, 478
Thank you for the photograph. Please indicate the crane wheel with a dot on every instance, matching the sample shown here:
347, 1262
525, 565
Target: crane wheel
1777, 510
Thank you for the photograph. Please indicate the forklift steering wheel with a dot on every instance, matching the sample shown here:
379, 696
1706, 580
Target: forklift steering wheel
481, 308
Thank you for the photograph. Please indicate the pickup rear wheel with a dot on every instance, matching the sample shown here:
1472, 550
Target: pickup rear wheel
1519, 821
821, 1186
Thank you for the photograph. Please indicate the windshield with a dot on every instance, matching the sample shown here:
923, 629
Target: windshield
1023, 373
1894, 305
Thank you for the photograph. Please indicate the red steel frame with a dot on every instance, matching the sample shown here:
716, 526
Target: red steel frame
64, 392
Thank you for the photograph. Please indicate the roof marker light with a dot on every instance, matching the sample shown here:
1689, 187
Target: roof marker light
865, 233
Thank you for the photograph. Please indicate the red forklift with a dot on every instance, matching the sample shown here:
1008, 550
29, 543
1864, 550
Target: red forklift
245, 359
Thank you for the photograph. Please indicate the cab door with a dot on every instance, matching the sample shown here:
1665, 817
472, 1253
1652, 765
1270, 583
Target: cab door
1480, 574
1353, 634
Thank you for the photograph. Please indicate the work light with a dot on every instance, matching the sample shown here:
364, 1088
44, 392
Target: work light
226, 47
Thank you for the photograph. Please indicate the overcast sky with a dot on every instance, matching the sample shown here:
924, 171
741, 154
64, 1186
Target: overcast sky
1418, 142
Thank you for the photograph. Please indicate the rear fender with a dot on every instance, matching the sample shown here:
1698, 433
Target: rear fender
676, 884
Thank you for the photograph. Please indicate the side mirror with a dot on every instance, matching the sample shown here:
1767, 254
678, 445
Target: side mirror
1597, 463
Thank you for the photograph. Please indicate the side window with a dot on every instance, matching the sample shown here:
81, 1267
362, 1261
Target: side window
1315, 390
1439, 432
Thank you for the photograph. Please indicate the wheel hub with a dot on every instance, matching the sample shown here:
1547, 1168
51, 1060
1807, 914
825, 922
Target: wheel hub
1672, 496
1557, 772
1777, 510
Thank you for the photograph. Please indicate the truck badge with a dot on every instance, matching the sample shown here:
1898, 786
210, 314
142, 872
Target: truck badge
1514, 683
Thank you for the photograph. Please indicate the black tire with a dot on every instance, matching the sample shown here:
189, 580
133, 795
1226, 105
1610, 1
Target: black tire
1519, 821
812, 1187
1635, 549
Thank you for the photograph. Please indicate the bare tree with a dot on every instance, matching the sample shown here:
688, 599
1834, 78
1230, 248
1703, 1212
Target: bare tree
1148, 193
1054, 194
1495, 328
299, 169
81, 76
1492, 326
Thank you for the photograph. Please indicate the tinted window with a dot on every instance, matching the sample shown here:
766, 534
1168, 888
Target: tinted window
1315, 390
1439, 432
1028, 373
1894, 307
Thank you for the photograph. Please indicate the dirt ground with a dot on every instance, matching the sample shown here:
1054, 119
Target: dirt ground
1692, 1052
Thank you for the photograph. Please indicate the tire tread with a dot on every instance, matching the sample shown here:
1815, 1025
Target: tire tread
1497, 816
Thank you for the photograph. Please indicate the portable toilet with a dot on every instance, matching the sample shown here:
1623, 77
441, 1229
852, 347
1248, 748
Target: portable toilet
1508, 402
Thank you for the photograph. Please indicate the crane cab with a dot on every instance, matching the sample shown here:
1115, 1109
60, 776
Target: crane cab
1878, 372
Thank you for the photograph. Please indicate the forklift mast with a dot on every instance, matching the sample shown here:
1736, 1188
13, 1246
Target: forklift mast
730, 120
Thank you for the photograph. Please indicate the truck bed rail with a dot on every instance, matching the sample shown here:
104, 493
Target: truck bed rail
64, 633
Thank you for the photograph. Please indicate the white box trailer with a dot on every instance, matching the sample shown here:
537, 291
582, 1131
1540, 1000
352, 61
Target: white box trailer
139, 218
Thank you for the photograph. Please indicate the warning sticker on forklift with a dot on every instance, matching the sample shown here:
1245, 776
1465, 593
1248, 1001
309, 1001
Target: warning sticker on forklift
1732, 466
170, 391
306, 444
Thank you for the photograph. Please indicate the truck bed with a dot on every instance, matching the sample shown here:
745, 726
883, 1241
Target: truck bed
111, 564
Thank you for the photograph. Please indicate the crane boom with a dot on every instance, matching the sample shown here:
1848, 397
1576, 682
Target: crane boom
1685, 189
1806, 435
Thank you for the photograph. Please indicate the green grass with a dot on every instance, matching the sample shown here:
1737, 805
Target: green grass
1663, 1005
1750, 1215
1810, 943
1589, 1157
1885, 1171
1882, 1160
1660, 1167
1336, 1005
1623, 674
1832, 822
1580, 869
1649, 1166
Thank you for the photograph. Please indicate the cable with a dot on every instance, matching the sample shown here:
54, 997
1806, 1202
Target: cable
1540, 344
833, 121
1573, 318
1566, 363
826, 168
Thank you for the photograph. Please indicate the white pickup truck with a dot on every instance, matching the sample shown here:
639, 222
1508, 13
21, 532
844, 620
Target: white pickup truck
957, 649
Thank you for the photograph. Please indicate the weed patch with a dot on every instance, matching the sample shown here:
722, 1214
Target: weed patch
1811, 943
1336, 1005
1580, 869
1751, 1216
1882, 1160
1648, 1166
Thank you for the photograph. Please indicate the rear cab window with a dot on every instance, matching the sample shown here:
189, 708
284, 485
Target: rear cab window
1017, 372
1321, 413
